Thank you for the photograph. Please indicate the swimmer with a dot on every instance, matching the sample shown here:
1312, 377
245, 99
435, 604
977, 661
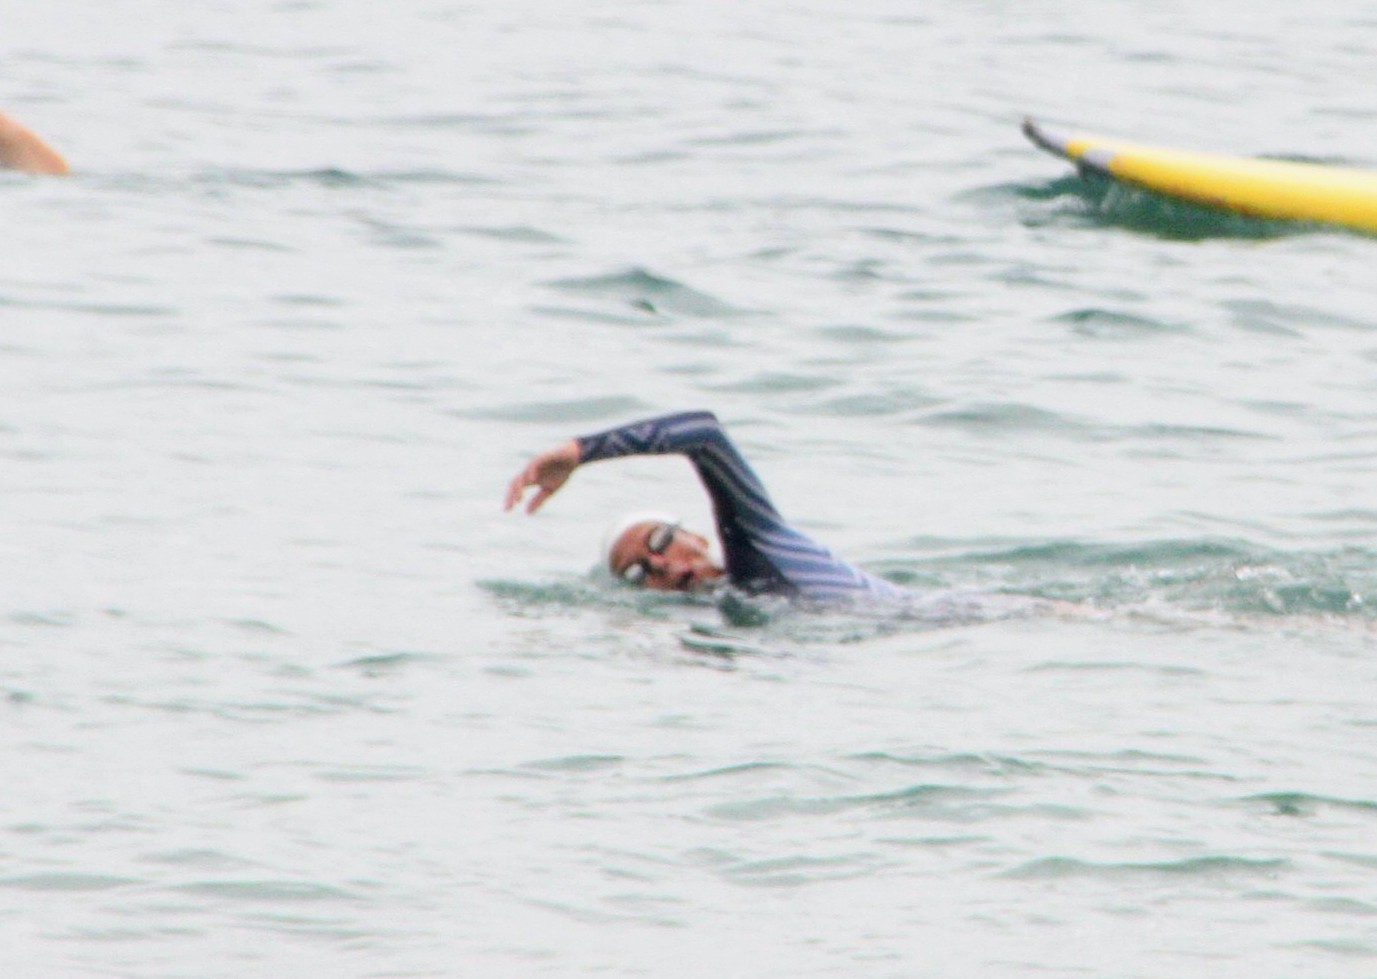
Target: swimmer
763, 554
21, 149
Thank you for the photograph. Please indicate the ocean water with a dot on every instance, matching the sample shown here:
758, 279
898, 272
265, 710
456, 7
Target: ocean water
284, 692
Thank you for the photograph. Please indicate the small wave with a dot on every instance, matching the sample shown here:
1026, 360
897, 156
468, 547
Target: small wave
257, 627
248, 244
524, 593
215, 774
924, 796
266, 890
1349, 948
1212, 867
1365, 860
749, 768
1109, 324
338, 178
491, 123
1093, 199
1229, 576
269, 179
372, 773
99, 309
1265, 316
1111, 666
1306, 804
760, 137
290, 52
305, 705
1123, 760
1189, 433
984, 763
68, 882
53, 618
776, 382
1000, 417
876, 404
392, 235
698, 640
300, 926
520, 233
643, 289
532, 598
859, 333
1343, 905
1068, 186
1076, 553
576, 763
599, 916
384, 664
634, 315
798, 870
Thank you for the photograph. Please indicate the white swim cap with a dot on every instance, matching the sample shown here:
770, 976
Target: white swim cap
624, 523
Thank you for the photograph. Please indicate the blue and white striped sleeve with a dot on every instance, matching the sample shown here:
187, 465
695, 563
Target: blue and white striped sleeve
763, 553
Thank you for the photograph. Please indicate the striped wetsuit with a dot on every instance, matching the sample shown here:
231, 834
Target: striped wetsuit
763, 553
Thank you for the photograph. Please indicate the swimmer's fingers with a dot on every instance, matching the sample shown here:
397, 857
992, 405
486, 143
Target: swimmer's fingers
516, 488
524, 480
539, 499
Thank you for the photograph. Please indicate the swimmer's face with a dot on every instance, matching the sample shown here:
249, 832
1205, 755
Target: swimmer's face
664, 557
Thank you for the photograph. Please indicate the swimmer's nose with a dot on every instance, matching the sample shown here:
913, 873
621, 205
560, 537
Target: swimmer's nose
658, 563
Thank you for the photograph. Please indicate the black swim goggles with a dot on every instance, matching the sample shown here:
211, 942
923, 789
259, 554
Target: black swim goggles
657, 542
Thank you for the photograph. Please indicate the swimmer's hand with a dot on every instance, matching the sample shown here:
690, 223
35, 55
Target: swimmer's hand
547, 472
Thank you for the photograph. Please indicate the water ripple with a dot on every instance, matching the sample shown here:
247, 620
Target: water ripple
292, 891
801, 870
1307, 804
642, 289
949, 799
68, 882
1114, 325
1211, 868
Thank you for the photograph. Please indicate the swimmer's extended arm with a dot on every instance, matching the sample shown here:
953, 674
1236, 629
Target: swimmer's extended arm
733, 485
736, 491
698, 435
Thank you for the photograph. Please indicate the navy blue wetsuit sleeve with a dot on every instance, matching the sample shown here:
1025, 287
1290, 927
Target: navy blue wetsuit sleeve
762, 552
741, 507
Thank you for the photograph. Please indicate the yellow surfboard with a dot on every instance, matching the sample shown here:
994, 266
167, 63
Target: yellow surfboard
1273, 189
